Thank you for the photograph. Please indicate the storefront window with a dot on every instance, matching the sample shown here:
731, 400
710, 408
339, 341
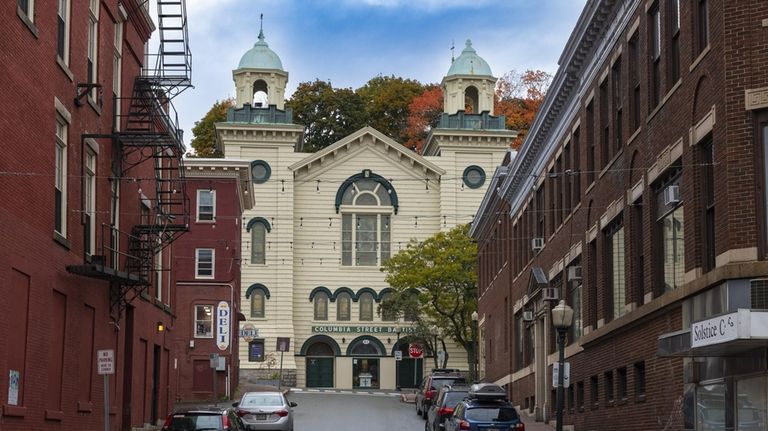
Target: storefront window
751, 404
710, 407
365, 373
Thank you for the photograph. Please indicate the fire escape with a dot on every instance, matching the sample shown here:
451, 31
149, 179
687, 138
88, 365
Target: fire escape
148, 132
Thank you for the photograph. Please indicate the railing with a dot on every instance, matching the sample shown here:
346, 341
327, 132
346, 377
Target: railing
258, 115
112, 240
482, 121
146, 115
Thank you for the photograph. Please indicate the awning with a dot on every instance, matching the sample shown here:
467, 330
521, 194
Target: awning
730, 334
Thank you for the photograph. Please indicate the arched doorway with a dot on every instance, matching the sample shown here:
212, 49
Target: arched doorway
366, 352
409, 371
320, 352
471, 100
260, 94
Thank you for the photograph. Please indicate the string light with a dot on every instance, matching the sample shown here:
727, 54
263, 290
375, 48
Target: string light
282, 184
318, 186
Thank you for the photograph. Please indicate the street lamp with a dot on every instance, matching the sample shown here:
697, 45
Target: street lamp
397, 364
475, 357
562, 318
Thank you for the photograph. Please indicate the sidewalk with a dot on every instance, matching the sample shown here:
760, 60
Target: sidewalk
532, 425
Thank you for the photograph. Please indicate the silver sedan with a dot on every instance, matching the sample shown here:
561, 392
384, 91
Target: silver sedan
265, 411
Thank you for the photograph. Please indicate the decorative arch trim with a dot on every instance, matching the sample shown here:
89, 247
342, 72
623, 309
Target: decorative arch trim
368, 290
255, 220
256, 286
320, 339
370, 338
345, 290
319, 289
369, 175
384, 292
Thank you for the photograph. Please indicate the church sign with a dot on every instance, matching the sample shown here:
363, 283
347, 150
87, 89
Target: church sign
337, 329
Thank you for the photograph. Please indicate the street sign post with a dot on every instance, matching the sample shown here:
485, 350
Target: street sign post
415, 350
283, 345
398, 355
105, 363
566, 376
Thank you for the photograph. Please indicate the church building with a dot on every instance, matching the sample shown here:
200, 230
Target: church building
323, 223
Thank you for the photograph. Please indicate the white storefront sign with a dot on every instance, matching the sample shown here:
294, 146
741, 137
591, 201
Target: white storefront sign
222, 325
742, 324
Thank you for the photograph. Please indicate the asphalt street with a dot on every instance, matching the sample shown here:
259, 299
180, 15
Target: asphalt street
353, 412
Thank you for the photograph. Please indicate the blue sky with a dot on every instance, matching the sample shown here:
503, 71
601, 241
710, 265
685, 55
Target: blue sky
347, 42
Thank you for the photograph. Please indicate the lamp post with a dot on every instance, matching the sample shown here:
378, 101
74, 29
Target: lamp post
397, 363
562, 317
475, 357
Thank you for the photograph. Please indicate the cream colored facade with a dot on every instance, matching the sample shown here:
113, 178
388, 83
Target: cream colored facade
302, 247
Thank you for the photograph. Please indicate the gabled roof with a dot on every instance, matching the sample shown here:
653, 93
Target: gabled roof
356, 138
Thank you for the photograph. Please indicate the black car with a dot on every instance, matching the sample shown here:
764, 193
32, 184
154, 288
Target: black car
442, 408
203, 419
431, 384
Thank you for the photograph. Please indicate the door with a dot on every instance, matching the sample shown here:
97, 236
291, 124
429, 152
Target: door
155, 384
319, 372
410, 372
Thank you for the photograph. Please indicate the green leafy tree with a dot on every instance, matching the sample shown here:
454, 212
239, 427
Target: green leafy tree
434, 284
387, 99
328, 114
204, 132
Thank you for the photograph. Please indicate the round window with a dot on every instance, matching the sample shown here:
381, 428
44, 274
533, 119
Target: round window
474, 176
260, 171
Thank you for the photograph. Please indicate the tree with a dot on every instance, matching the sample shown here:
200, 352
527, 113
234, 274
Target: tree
328, 114
386, 101
436, 280
423, 115
204, 132
519, 97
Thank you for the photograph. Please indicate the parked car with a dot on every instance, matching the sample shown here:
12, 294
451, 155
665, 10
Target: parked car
203, 418
265, 411
431, 384
447, 398
485, 408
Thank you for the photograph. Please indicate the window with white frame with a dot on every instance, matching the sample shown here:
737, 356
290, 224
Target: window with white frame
615, 280
257, 303
204, 263
366, 306
366, 208
159, 272
117, 69
62, 31
203, 321
671, 223
93, 46
90, 202
321, 306
206, 205
343, 306
28, 8
258, 243
60, 178
114, 238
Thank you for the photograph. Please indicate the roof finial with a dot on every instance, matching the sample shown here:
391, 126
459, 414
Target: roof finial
452, 48
261, 28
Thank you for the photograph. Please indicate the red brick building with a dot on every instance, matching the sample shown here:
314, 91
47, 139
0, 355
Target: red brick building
93, 196
207, 274
639, 198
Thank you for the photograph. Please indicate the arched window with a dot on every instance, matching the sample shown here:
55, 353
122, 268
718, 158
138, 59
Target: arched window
366, 307
366, 202
257, 303
260, 94
387, 316
471, 100
343, 306
321, 306
258, 227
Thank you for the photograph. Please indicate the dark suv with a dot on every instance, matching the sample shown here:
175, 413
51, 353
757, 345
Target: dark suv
203, 418
431, 384
486, 407
442, 408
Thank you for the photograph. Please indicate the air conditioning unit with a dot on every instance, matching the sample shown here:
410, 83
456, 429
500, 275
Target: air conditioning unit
537, 243
574, 273
550, 294
527, 316
672, 195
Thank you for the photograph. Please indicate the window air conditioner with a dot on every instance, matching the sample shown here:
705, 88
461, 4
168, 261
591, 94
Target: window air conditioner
672, 195
550, 294
537, 244
574, 273
527, 316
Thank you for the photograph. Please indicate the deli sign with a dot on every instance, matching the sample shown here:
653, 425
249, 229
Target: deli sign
715, 330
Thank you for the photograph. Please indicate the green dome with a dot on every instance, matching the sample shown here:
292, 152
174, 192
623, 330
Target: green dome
469, 63
260, 57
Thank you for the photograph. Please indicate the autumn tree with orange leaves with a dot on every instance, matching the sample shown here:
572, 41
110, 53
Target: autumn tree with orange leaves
423, 114
519, 97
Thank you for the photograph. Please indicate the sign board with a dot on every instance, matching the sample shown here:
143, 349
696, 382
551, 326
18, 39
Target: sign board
13, 387
556, 373
248, 332
398, 355
222, 325
105, 361
415, 350
283, 344
256, 351
715, 330
346, 329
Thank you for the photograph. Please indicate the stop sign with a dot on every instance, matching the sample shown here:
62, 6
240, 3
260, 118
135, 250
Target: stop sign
415, 350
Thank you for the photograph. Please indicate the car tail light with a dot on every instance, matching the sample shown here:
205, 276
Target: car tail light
463, 425
519, 427
167, 424
282, 413
445, 411
429, 394
241, 413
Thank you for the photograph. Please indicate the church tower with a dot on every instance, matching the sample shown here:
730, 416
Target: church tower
259, 78
469, 84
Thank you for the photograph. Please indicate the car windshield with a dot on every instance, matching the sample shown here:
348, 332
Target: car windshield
488, 413
453, 398
192, 422
439, 383
262, 400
